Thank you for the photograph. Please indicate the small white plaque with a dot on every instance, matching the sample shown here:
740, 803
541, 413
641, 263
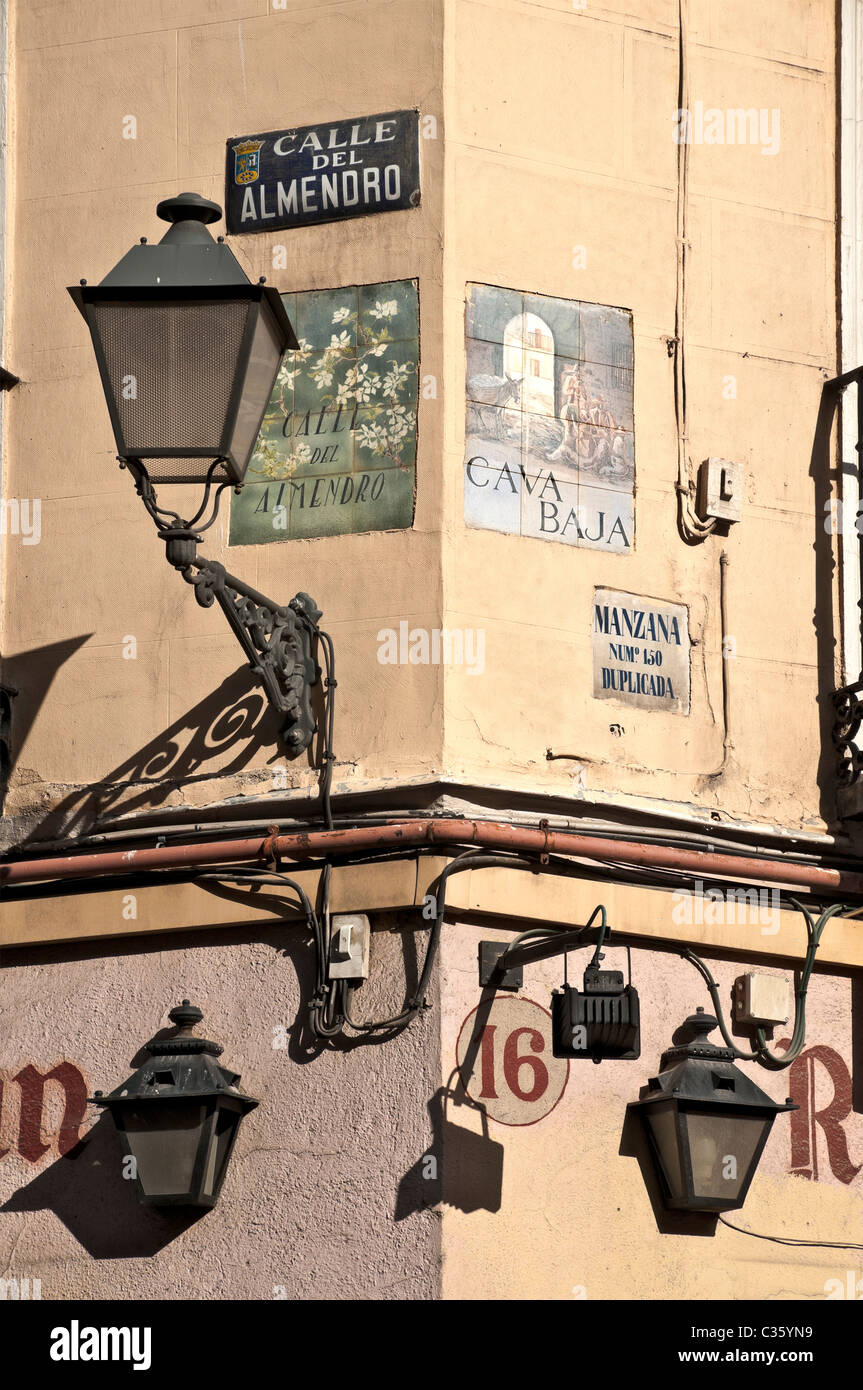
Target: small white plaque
640, 651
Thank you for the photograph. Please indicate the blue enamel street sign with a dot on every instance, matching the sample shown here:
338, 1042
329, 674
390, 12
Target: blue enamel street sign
322, 173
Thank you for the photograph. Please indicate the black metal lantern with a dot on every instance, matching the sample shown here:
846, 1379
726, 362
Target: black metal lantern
706, 1123
188, 350
178, 1117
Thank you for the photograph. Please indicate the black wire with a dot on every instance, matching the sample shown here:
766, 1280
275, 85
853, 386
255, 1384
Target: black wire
328, 757
251, 875
326, 1017
470, 859
330, 1009
790, 1240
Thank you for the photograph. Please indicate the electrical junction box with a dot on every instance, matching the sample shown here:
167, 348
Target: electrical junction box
600, 1021
761, 999
349, 946
720, 490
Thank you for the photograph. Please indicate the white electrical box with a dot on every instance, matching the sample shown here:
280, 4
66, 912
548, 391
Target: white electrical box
349, 946
761, 999
720, 490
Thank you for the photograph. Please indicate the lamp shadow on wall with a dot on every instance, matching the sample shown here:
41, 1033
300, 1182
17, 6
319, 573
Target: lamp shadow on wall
27, 677
87, 1192
460, 1168
633, 1144
227, 728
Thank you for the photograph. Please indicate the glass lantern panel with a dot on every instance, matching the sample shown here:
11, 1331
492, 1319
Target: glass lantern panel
171, 369
164, 1140
721, 1149
264, 362
663, 1125
221, 1139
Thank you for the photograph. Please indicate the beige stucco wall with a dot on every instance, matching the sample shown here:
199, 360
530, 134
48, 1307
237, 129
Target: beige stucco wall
554, 131
574, 1217
594, 167
193, 75
559, 136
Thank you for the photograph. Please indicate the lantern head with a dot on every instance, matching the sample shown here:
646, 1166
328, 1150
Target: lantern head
188, 350
706, 1123
178, 1117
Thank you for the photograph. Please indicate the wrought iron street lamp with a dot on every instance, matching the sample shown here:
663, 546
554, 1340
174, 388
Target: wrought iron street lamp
188, 351
178, 1117
706, 1123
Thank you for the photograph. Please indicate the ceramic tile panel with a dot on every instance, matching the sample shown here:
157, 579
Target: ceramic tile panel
337, 448
549, 421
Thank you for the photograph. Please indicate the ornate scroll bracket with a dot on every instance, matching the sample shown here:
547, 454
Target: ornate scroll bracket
848, 716
279, 641
847, 706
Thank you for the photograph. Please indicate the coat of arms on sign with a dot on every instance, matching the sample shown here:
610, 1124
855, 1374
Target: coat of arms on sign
550, 445
247, 161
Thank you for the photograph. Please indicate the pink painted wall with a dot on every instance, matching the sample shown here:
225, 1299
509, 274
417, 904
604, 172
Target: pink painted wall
323, 1198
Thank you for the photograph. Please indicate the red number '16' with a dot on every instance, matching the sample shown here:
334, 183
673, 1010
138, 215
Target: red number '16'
512, 1064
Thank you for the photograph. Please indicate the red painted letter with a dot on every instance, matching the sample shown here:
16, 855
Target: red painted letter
32, 1085
801, 1087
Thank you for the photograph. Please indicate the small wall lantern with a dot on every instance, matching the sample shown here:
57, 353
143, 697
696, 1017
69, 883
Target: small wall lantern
706, 1123
178, 1117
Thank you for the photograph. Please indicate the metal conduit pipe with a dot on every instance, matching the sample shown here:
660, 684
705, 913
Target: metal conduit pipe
449, 832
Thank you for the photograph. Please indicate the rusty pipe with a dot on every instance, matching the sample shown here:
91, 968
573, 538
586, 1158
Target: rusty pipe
410, 834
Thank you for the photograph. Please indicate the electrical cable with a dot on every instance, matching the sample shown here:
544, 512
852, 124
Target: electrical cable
241, 875
328, 757
603, 930
328, 1018
190, 833
762, 1053
691, 527
325, 1022
326, 1014
470, 859
790, 1240
330, 1008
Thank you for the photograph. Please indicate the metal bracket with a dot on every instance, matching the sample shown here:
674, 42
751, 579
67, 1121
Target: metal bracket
490, 976
278, 640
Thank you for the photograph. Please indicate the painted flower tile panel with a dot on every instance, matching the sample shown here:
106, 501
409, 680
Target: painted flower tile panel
549, 439
337, 449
